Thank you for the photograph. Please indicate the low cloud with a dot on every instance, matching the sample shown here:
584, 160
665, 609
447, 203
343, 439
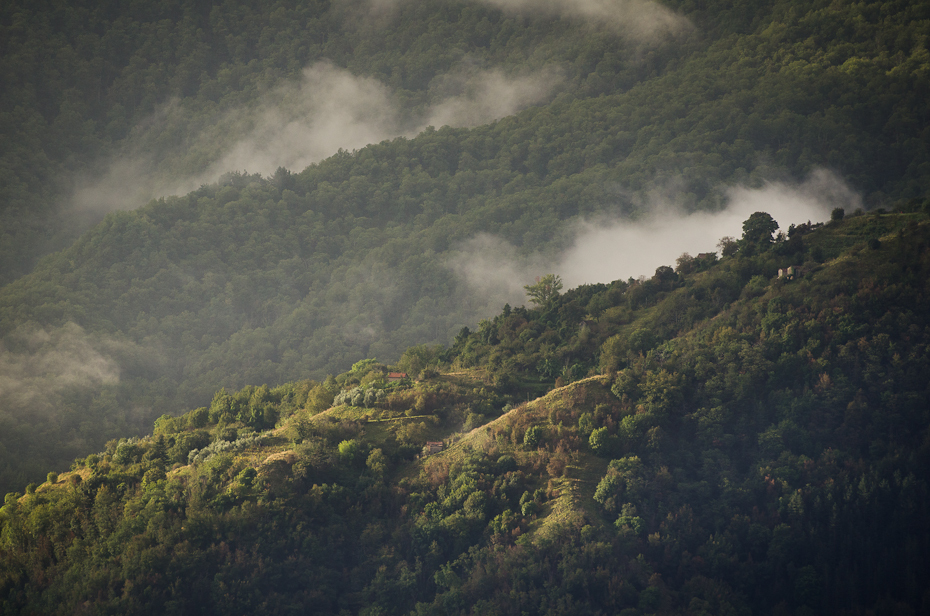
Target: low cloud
608, 250
302, 123
473, 98
37, 364
328, 109
639, 20
494, 272
127, 183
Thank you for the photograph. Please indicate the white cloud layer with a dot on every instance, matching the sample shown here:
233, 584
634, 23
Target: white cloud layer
639, 20
329, 109
36, 364
608, 250
302, 123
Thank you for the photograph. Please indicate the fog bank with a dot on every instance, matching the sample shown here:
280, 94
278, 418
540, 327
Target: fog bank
37, 364
638, 20
604, 250
301, 123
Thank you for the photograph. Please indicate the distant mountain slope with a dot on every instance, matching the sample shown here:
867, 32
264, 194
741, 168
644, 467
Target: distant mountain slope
256, 280
162, 91
756, 444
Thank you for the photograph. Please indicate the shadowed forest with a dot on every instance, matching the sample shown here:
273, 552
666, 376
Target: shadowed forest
568, 223
717, 438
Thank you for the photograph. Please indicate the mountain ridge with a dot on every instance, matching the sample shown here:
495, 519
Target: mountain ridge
767, 454
282, 275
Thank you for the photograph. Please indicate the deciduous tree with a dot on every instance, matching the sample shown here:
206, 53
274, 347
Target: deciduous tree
544, 290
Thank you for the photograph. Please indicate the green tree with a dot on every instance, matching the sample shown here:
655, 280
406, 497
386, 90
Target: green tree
376, 462
628, 521
350, 450
532, 437
416, 358
600, 442
728, 246
319, 399
361, 368
544, 290
758, 229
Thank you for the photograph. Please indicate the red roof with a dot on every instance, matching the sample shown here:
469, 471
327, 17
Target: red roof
397, 375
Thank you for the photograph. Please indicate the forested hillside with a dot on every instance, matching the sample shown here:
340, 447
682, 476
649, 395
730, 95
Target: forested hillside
281, 275
86, 81
720, 438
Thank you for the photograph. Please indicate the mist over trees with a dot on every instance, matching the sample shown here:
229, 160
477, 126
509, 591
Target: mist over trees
716, 438
268, 277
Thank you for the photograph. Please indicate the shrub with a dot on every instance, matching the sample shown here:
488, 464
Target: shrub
506, 463
532, 437
600, 442
350, 449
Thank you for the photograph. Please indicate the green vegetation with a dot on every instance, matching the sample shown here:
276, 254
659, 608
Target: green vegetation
255, 280
719, 440
85, 82
545, 290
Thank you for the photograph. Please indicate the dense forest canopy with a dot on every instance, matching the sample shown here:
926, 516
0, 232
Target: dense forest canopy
174, 85
266, 275
728, 436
